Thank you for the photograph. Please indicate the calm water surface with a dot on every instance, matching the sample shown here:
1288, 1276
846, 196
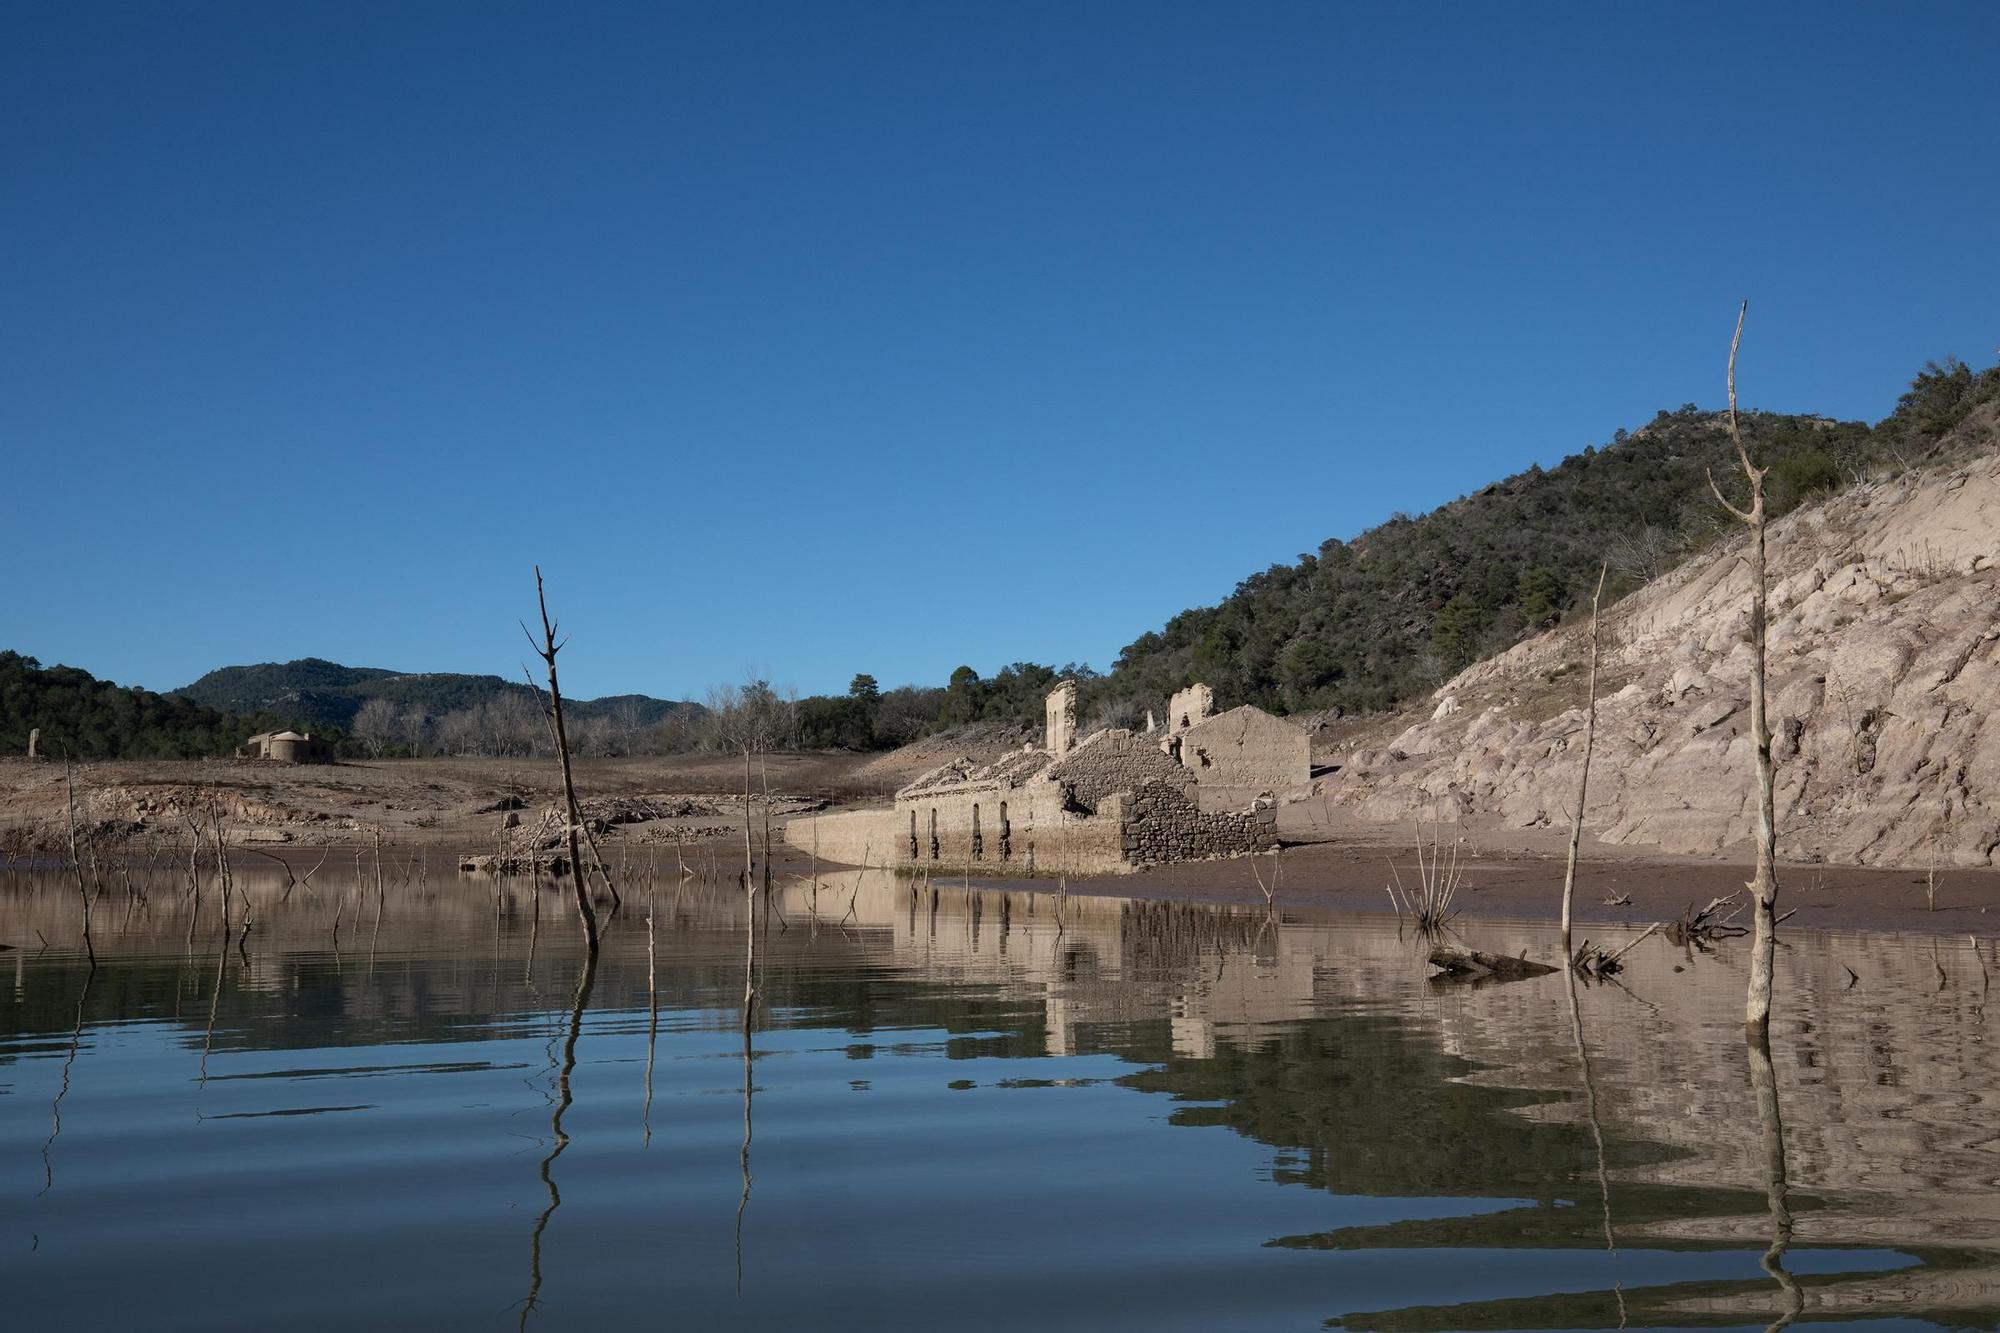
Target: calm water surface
955, 1109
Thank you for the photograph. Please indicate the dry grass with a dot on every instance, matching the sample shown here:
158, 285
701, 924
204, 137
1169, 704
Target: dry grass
1440, 875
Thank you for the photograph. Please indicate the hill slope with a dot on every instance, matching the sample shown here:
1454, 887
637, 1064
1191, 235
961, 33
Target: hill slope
1365, 625
1885, 662
83, 717
329, 694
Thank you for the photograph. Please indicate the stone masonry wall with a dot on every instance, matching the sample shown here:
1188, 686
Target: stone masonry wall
1116, 761
1243, 753
1162, 823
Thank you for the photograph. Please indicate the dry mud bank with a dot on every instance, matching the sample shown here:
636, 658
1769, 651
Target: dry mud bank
1516, 875
450, 805
1885, 665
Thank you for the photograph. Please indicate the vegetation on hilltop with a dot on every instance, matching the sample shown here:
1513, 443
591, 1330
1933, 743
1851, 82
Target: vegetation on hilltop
1359, 625
1371, 623
82, 717
393, 712
1368, 624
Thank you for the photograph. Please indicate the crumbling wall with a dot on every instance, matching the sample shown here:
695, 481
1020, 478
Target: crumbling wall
1059, 719
1115, 761
1245, 753
848, 838
1188, 707
1162, 823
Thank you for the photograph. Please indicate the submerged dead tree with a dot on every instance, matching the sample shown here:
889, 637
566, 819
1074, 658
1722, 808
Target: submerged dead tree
1583, 778
1764, 887
84, 894
547, 650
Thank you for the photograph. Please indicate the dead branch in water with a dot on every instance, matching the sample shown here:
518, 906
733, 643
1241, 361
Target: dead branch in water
1597, 963
547, 650
1763, 885
1474, 965
1583, 777
1269, 889
1703, 927
75, 864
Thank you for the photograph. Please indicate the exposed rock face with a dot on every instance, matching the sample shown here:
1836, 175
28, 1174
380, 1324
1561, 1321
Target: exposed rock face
1884, 681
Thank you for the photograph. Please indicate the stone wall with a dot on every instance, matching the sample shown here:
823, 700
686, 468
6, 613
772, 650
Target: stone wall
1115, 761
849, 838
1245, 753
1020, 830
1059, 719
1188, 707
1161, 823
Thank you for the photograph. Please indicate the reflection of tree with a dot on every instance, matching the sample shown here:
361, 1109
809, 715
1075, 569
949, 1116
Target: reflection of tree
1764, 1082
69, 1062
749, 1014
584, 982
652, 1027
1590, 1109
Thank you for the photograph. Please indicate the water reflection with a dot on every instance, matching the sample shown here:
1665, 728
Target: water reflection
1074, 1114
558, 1140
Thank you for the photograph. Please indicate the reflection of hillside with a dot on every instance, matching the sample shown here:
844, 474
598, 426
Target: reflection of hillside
1319, 1038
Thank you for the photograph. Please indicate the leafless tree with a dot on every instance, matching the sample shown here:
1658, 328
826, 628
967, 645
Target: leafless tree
1583, 777
376, 725
547, 650
1764, 887
458, 732
83, 893
413, 728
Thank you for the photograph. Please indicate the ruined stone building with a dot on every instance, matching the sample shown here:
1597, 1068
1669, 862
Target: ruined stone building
285, 747
1113, 801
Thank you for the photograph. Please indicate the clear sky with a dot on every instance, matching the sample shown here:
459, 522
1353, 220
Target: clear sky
828, 338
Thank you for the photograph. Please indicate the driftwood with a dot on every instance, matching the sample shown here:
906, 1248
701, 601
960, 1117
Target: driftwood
1596, 962
1700, 927
1474, 965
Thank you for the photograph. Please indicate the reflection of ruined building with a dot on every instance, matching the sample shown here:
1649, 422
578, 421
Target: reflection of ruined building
1115, 800
285, 747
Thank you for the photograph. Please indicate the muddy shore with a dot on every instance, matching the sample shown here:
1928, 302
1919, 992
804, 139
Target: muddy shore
445, 808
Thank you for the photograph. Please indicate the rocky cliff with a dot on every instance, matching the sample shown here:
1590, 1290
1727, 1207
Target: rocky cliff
1884, 677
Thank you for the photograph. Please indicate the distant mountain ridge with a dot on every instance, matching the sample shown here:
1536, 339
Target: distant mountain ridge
328, 694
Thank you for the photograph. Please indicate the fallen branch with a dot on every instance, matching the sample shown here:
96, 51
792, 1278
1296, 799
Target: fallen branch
1473, 964
1595, 963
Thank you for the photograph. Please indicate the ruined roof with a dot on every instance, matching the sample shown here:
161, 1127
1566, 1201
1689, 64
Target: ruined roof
1010, 770
1242, 715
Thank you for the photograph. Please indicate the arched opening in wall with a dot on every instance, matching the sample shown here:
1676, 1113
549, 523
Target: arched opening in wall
978, 844
1006, 835
934, 840
913, 835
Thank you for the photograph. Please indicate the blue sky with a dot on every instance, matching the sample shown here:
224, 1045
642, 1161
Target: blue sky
814, 339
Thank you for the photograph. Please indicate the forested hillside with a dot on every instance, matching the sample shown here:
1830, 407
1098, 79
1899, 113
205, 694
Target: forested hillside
1359, 625
390, 712
82, 717
1364, 624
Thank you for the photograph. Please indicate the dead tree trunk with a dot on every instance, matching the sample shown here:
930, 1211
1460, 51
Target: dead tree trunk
75, 863
1764, 887
547, 650
1583, 778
